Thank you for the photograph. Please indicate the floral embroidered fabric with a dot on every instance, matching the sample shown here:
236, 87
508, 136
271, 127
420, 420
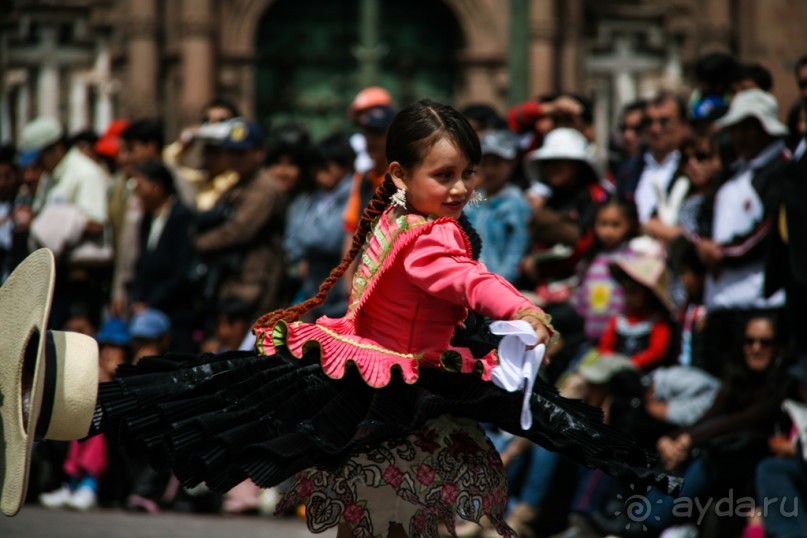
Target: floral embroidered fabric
447, 468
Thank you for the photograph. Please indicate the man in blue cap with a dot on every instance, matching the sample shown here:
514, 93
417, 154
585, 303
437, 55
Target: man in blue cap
240, 239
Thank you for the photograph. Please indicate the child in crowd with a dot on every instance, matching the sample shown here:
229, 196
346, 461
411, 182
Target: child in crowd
691, 315
502, 218
314, 235
288, 154
233, 322
567, 187
87, 460
643, 332
150, 331
598, 297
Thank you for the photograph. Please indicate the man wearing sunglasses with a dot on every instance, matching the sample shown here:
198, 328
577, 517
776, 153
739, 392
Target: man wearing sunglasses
650, 172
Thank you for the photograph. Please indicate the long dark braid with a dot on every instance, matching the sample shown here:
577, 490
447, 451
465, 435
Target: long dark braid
374, 209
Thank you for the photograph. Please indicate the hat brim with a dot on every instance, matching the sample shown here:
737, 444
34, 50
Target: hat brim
536, 160
24, 308
48, 379
772, 126
620, 269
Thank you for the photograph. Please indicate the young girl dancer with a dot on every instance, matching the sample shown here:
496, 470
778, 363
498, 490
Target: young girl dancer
375, 413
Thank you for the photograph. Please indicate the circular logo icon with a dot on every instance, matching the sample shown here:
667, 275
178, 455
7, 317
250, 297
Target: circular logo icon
638, 508
239, 132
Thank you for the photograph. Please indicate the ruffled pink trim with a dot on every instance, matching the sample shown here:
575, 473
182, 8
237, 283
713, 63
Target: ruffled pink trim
376, 364
339, 351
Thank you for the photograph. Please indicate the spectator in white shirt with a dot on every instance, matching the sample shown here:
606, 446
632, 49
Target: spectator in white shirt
649, 173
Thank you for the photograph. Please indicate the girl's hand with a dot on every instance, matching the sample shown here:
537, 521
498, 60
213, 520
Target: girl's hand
538, 325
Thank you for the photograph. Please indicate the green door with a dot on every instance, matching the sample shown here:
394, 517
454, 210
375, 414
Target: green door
307, 70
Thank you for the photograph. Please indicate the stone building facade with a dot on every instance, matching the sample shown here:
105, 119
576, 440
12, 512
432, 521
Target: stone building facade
89, 61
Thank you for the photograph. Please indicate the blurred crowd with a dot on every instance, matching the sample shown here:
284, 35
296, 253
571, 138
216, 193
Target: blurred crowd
670, 261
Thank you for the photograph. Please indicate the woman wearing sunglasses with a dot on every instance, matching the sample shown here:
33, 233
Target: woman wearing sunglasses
719, 453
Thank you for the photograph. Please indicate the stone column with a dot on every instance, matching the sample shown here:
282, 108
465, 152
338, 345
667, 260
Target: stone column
518, 64
542, 58
5, 116
23, 104
197, 59
572, 27
105, 86
143, 65
714, 28
12, 78
77, 115
369, 51
47, 83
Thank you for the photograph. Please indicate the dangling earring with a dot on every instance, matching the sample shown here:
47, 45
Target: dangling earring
399, 198
476, 198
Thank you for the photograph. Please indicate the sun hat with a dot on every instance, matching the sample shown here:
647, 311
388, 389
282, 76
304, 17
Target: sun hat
242, 135
150, 324
754, 103
502, 143
649, 271
603, 368
38, 134
48, 379
562, 143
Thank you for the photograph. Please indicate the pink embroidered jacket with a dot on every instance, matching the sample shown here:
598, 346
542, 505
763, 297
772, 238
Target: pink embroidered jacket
415, 283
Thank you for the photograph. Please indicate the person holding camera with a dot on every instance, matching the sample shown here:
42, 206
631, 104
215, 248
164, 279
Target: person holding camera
240, 239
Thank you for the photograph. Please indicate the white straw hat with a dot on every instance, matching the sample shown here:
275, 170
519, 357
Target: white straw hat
754, 103
48, 379
562, 143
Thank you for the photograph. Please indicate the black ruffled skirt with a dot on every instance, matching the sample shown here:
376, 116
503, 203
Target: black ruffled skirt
220, 419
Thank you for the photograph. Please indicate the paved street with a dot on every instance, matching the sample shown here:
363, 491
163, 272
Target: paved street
33, 521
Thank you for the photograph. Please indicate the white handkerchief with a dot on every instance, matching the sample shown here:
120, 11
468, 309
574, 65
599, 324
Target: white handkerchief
518, 366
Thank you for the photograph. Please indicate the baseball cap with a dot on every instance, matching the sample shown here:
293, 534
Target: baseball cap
37, 135
150, 324
242, 135
370, 97
214, 134
114, 331
376, 118
502, 143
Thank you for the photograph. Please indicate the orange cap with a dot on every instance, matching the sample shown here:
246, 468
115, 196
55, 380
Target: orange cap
368, 98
